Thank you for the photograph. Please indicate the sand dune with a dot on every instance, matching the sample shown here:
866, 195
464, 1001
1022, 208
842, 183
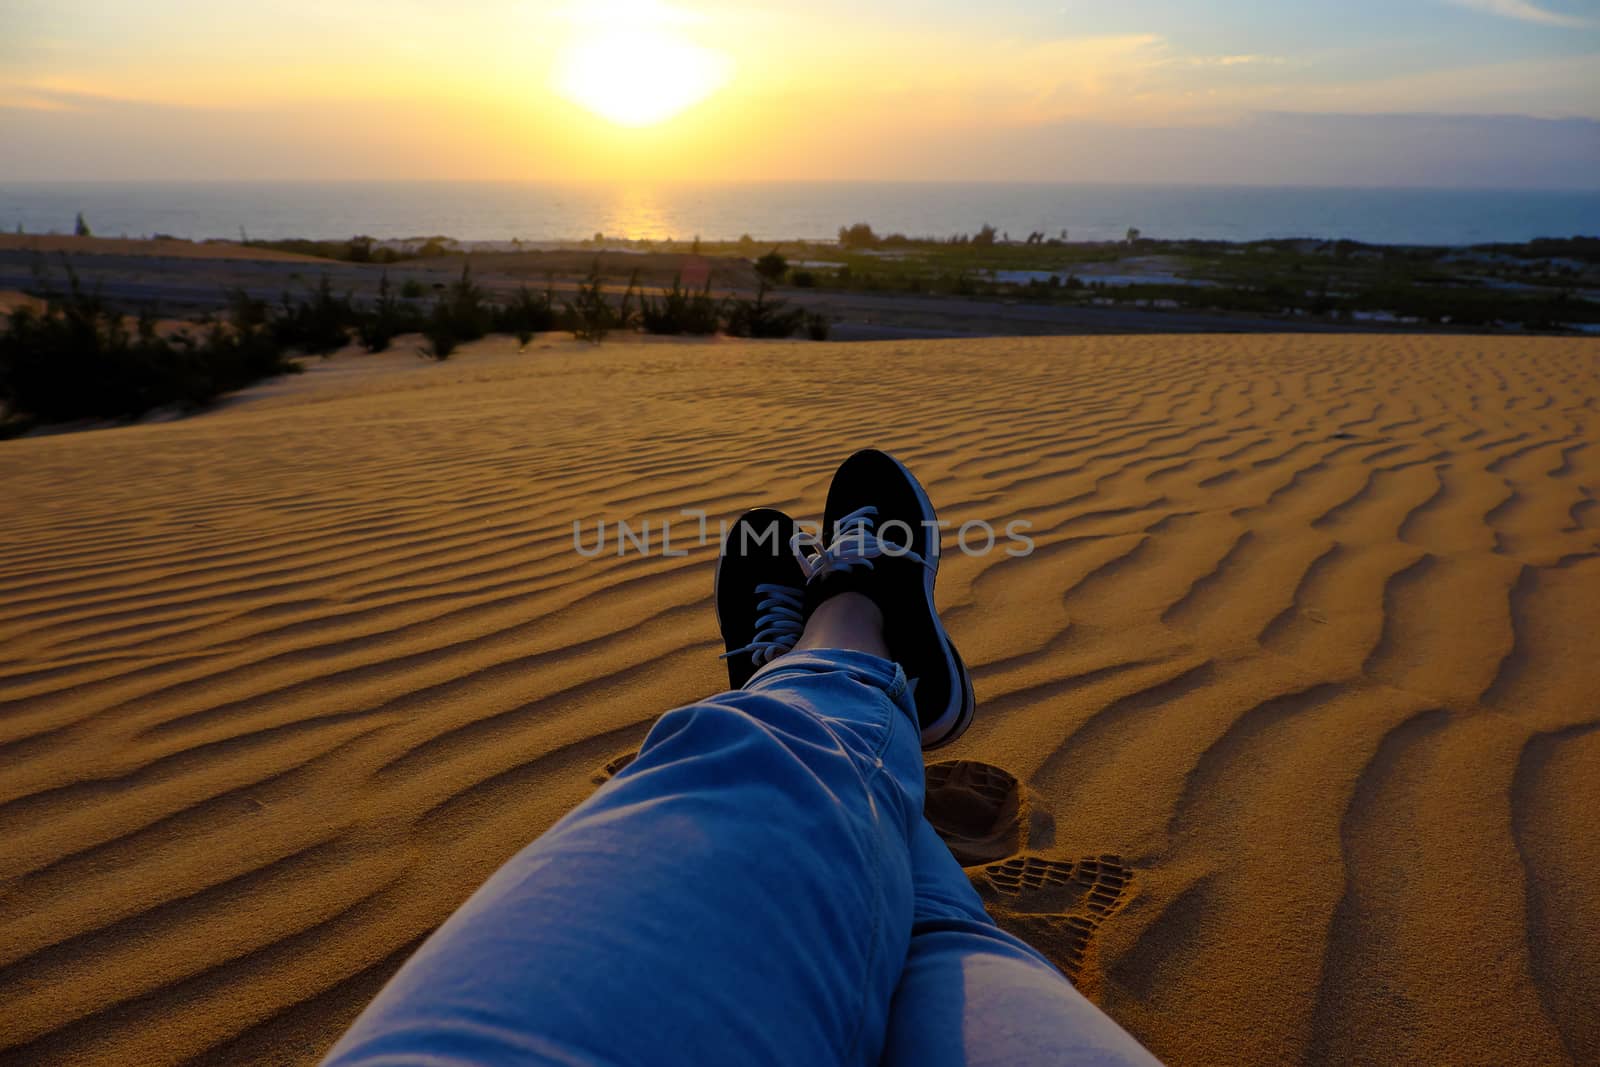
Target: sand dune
1288, 729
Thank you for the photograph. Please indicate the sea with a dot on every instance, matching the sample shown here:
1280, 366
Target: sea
545, 212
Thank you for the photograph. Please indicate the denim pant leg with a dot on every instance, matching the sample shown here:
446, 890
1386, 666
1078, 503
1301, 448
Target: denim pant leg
973, 994
739, 894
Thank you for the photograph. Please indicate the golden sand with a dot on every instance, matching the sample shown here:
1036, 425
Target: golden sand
1288, 733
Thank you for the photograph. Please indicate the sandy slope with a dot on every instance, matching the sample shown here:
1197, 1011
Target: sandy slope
1288, 736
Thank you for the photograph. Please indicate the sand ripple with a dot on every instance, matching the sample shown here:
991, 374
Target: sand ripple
1288, 727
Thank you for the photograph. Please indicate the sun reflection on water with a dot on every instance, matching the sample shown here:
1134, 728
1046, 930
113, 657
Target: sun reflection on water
637, 214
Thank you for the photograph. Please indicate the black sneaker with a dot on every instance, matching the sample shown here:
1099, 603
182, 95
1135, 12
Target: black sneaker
883, 542
760, 592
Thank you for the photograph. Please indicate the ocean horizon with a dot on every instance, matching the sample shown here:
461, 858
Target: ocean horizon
545, 211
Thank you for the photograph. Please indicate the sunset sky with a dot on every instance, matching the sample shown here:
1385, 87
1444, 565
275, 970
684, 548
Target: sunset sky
1370, 92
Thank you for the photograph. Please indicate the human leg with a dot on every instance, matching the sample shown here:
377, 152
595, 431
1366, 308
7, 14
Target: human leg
971, 994
740, 893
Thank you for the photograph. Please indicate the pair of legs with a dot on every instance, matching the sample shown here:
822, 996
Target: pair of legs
758, 887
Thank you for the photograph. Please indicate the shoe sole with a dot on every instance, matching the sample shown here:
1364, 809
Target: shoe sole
954, 722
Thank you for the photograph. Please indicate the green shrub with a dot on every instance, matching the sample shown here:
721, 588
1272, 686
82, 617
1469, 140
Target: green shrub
245, 311
681, 311
772, 267
439, 332
238, 354
627, 316
470, 318
388, 318
359, 249
77, 359
362, 249
590, 315
859, 235
526, 314
763, 318
411, 289
459, 314
317, 325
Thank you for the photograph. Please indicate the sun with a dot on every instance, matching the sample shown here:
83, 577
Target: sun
634, 69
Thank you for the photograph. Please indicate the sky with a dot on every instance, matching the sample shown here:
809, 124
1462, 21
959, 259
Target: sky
1460, 93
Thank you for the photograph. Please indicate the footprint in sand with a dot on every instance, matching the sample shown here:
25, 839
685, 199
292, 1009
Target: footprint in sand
998, 829
1056, 906
978, 810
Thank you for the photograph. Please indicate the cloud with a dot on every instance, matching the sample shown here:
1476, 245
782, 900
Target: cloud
59, 94
1289, 148
1549, 88
43, 96
953, 81
1525, 11
1249, 60
1234, 61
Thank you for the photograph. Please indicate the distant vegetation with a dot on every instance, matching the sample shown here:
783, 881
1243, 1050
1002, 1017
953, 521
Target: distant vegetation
319, 324
78, 360
765, 316
526, 314
591, 315
359, 249
390, 316
1546, 284
679, 311
1582, 249
861, 235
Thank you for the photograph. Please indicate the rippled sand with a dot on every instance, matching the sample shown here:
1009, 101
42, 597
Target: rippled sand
1288, 734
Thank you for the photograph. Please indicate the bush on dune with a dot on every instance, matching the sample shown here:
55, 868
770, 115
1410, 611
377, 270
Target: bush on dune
526, 314
388, 318
459, 315
318, 325
77, 359
469, 316
681, 311
591, 315
763, 317
440, 334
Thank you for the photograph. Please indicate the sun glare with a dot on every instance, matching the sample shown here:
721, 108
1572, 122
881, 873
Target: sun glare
634, 69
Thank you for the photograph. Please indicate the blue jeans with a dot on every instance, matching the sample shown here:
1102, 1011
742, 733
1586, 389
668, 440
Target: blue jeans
758, 887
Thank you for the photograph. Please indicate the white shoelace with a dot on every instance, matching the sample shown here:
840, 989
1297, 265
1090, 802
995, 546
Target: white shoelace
854, 545
780, 619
